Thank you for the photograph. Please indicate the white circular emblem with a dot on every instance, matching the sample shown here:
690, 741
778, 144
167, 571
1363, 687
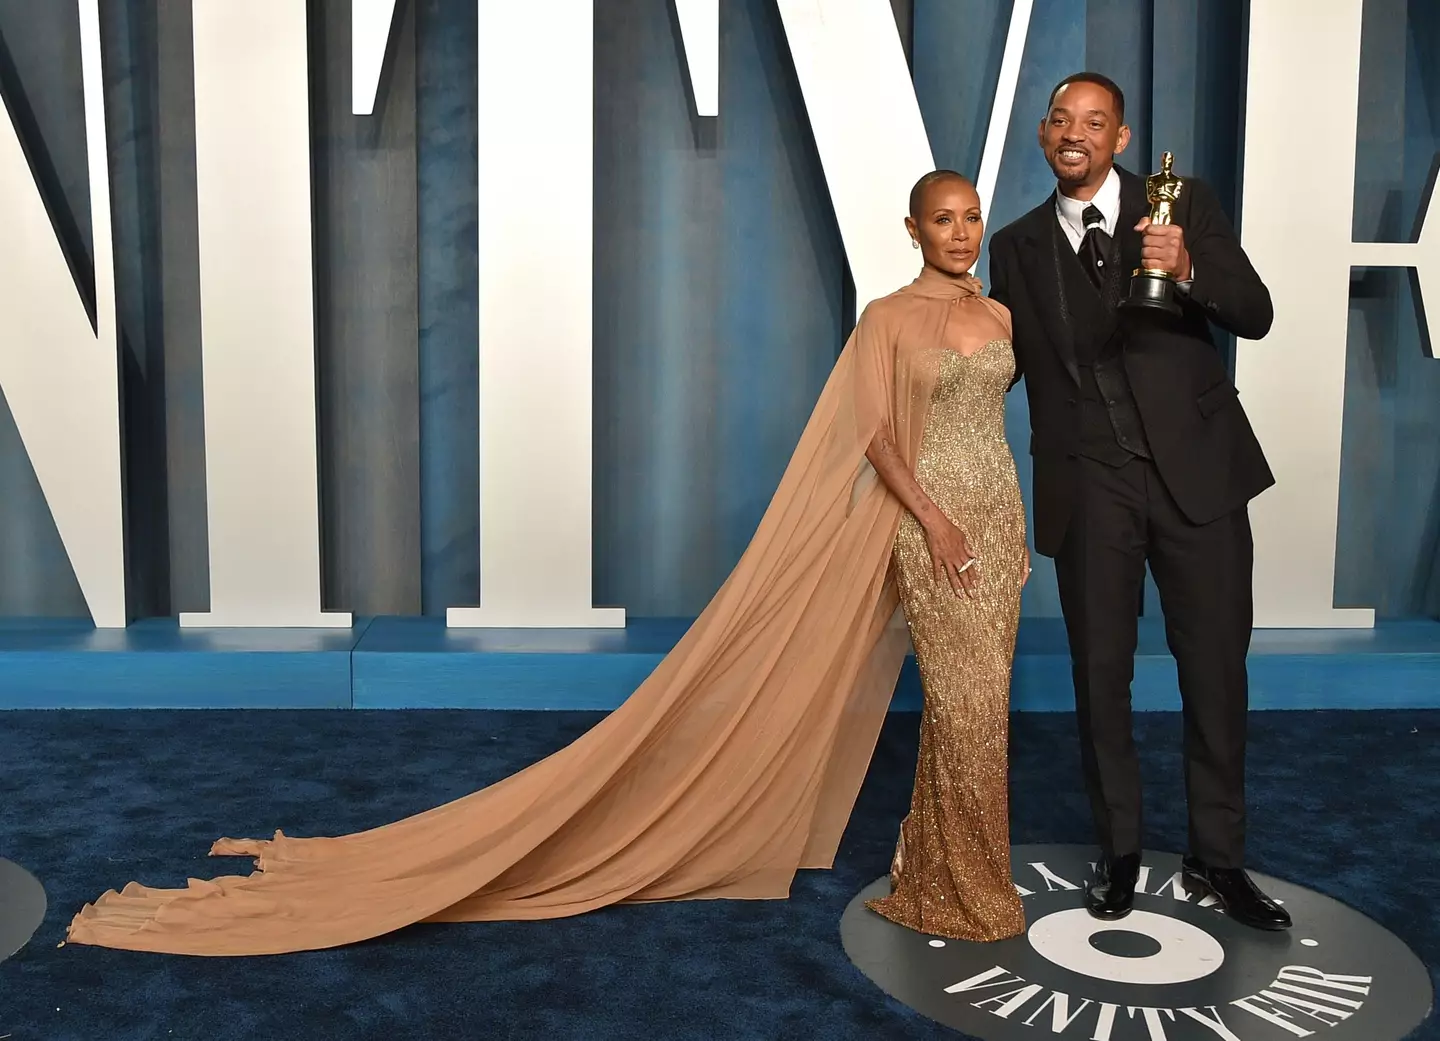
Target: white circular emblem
1186, 952
1175, 967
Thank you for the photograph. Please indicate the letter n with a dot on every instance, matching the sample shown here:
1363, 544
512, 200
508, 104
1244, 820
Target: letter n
59, 369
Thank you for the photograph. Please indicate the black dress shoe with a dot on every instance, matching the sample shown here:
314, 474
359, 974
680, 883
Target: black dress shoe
1241, 898
1112, 894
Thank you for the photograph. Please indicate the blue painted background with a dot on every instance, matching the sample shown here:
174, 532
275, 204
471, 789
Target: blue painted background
721, 287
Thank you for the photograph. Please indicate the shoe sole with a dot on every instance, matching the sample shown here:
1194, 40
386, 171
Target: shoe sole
1195, 885
1102, 917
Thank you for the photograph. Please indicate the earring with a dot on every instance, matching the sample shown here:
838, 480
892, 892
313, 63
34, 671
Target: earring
915, 243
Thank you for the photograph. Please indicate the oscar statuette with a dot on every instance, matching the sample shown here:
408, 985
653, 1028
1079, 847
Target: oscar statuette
1151, 288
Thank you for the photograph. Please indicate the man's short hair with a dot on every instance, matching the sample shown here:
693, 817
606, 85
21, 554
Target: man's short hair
1099, 80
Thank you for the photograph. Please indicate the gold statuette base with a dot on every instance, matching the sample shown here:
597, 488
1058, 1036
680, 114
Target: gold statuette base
1152, 291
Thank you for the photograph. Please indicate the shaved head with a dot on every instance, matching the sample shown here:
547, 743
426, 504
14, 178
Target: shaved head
934, 177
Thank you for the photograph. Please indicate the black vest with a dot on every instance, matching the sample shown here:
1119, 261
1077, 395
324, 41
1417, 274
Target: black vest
1111, 431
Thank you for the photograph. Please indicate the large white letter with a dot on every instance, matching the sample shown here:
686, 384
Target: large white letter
61, 375
371, 23
1422, 255
536, 156
700, 29
257, 318
1294, 380
1003, 104
868, 129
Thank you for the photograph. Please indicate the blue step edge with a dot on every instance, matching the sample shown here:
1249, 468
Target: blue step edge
394, 662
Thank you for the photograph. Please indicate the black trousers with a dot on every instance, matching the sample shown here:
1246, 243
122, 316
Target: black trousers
1123, 518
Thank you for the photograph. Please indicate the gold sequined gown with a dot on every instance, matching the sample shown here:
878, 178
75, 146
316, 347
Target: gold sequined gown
951, 871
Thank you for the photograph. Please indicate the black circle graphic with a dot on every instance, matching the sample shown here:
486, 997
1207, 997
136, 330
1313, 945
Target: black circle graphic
1121, 943
22, 907
1177, 967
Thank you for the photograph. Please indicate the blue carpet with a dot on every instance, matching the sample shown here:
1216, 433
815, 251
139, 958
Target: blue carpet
1347, 803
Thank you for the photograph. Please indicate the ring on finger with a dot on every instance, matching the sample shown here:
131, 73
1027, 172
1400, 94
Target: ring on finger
966, 566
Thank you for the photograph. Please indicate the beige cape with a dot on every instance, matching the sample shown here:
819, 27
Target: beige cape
734, 764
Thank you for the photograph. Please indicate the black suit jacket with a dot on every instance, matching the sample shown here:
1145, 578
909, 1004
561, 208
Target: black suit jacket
1200, 438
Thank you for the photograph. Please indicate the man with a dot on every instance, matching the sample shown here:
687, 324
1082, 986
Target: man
1141, 452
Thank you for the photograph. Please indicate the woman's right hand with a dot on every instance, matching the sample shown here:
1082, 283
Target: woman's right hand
951, 555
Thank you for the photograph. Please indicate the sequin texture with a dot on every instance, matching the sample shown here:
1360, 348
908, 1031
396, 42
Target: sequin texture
951, 872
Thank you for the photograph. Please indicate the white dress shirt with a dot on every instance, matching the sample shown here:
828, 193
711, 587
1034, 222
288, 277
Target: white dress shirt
1070, 211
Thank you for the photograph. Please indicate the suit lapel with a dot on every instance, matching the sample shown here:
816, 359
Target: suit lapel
1043, 241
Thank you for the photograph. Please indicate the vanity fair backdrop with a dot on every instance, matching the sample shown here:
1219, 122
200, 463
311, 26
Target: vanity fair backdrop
721, 288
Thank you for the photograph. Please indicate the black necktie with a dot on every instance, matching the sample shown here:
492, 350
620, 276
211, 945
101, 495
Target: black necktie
1095, 246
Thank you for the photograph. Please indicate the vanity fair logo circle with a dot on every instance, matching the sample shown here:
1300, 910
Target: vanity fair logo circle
1175, 969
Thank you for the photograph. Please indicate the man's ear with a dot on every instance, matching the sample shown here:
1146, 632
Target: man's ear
1123, 139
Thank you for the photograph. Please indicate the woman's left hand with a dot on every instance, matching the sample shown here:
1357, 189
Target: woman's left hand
1029, 560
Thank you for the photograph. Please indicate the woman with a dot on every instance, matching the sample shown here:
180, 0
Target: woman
951, 872
738, 760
